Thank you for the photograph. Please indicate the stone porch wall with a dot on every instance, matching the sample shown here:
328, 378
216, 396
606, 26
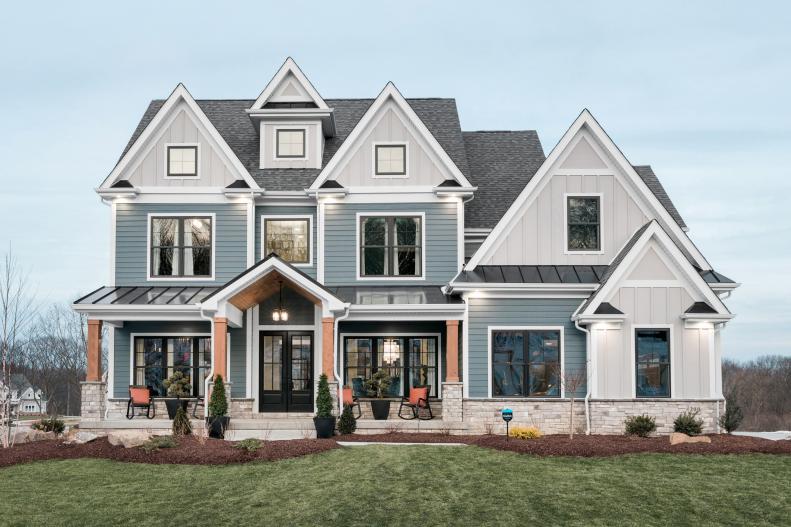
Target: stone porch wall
607, 416
550, 416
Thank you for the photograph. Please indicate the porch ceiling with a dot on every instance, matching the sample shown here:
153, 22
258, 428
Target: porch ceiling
265, 287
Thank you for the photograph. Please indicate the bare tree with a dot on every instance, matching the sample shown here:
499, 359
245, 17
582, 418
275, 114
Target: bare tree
570, 382
16, 312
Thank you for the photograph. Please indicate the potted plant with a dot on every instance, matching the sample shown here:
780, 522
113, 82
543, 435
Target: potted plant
324, 420
178, 385
377, 386
218, 419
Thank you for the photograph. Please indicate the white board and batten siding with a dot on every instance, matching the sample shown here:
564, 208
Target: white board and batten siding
150, 169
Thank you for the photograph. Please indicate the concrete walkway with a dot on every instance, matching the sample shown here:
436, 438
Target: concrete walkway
774, 436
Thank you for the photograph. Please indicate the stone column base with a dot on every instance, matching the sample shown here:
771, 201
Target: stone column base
452, 406
334, 388
92, 399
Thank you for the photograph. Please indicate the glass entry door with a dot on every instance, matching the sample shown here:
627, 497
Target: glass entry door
286, 371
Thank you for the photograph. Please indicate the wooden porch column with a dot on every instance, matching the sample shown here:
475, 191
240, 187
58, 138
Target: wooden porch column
328, 347
94, 373
452, 351
220, 345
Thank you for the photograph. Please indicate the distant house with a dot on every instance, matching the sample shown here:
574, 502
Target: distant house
26, 399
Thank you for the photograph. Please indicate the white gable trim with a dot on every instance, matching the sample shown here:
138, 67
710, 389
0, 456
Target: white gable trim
389, 93
655, 232
530, 192
289, 66
178, 95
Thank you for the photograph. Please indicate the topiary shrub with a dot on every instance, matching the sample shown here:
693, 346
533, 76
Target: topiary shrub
218, 403
639, 425
688, 423
178, 385
181, 423
323, 398
158, 442
733, 415
251, 444
347, 424
51, 424
524, 432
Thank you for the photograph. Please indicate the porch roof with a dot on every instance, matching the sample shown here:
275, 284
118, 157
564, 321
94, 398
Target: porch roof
394, 295
147, 295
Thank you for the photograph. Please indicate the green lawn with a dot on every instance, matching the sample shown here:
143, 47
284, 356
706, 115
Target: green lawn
406, 485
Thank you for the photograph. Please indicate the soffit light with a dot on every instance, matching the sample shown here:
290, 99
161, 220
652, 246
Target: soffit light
280, 314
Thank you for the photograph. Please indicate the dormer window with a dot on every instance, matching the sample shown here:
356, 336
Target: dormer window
390, 160
290, 144
182, 161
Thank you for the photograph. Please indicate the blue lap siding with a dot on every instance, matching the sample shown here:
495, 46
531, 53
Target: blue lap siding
496, 312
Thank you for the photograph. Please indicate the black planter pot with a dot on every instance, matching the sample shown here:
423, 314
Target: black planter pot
380, 408
325, 427
173, 405
218, 426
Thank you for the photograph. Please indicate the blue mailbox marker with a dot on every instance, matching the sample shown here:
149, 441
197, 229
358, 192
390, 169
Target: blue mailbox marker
507, 414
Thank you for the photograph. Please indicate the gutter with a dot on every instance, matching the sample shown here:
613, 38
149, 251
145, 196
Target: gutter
589, 369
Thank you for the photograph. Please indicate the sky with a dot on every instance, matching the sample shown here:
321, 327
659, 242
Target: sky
699, 90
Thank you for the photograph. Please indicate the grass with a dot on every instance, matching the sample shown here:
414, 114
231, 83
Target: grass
406, 485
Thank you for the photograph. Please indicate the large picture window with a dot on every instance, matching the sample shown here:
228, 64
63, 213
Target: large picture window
181, 246
157, 358
652, 350
410, 362
391, 246
584, 223
526, 363
288, 238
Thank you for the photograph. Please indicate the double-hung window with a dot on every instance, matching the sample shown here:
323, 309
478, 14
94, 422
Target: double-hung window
181, 246
526, 363
391, 246
652, 350
289, 238
157, 358
584, 223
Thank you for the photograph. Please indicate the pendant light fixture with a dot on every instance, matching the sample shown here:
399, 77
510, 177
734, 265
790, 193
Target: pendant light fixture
280, 314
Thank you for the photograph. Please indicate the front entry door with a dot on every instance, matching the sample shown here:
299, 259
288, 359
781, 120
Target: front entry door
286, 372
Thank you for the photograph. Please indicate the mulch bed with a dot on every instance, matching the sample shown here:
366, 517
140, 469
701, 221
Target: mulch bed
590, 446
188, 452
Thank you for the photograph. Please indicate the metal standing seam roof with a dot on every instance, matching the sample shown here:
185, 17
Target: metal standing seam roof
533, 274
385, 295
147, 295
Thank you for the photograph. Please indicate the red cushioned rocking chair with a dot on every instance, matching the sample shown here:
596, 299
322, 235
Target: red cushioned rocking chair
140, 397
417, 401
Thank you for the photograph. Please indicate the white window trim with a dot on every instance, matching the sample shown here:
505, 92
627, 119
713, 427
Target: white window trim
405, 175
308, 217
492, 329
197, 160
423, 228
150, 278
566, 197
342, 351
133, 336
633, 347
291, 128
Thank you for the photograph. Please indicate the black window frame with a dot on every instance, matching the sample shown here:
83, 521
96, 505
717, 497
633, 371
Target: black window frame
308, 221
569, 223
278, 155
391, 249
376, 160
406, 368
525, 364
181, 248
667, 363
194, 148
195, 368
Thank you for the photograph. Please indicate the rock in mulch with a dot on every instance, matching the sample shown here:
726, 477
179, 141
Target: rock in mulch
677, 438
30, 436
128, 439
77, 437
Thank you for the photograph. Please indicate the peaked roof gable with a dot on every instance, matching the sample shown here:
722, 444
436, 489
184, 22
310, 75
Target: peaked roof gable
529, 192
179, 95
290, 73
389, 94
627, 258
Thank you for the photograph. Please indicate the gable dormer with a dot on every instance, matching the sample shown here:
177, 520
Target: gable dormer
292, 121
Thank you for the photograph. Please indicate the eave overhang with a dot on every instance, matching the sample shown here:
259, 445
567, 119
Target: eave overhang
325, 115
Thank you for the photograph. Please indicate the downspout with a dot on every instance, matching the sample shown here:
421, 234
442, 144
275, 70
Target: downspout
588, 383
336, 363
207, 381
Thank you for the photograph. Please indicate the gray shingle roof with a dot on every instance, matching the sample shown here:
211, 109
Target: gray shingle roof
646, 173
501, 164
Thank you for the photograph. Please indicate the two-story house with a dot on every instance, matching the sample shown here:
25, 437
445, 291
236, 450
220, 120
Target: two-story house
275, 239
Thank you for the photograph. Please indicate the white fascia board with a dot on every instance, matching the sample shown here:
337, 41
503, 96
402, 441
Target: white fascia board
289, 66
126, 313
584, 119
653, 232
178, 95
390, 92
720, 287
